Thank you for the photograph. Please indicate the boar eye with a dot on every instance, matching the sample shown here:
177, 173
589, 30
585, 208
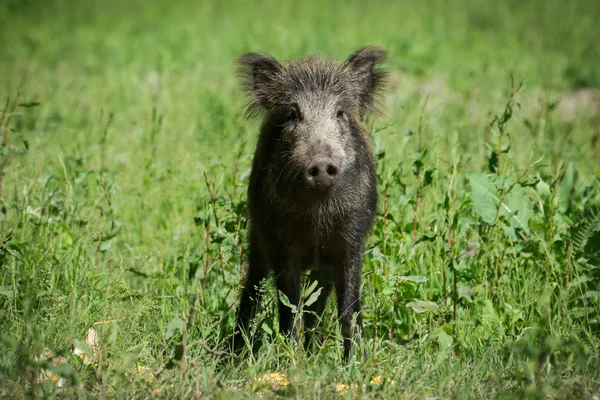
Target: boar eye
341, 114
293, 113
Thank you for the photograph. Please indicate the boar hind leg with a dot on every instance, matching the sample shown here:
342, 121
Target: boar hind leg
314, 312
347, 287
251, 294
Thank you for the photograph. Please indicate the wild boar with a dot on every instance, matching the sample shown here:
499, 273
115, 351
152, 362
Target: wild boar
312, 195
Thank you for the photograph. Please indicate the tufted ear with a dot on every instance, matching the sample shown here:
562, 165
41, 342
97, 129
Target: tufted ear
367, 76
257, 72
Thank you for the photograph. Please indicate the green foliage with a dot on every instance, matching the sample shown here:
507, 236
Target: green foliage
123, 210
492, 202
585, 230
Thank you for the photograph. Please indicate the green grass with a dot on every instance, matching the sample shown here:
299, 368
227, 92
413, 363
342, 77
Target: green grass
124, 198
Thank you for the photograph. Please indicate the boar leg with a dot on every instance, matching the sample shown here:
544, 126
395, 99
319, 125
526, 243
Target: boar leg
287, 279
347, 287
251, 293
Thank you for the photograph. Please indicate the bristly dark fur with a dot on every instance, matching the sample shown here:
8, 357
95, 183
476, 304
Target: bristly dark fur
311, 109
367, 61
268, 82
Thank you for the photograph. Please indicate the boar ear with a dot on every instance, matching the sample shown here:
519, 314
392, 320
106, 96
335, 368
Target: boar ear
257, 72
367, 75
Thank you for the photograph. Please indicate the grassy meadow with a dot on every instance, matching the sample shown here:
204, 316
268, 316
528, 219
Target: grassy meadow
125, 155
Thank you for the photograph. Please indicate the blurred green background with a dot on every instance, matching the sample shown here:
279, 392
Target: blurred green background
124, 194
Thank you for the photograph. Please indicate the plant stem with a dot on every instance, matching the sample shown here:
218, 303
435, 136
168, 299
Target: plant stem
497, 226
5, 134
383, 234
416, 210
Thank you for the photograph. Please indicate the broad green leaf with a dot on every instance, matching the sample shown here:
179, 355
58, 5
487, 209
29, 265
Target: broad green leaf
218, 235
313, 297
105, 245
417, 165
413, 278
567, 184
174, 325
444, 340
310, 289
421, 306
489, 314
286, 302
428, 178
516, 207
485, 196
202, 218
466, 293
543, 189
267, 329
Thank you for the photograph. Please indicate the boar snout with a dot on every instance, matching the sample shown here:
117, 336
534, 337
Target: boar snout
321, 173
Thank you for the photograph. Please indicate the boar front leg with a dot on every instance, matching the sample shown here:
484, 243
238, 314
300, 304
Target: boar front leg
347, 287
287, 279
251, 293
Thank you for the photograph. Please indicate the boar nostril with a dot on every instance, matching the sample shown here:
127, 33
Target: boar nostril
321, 173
